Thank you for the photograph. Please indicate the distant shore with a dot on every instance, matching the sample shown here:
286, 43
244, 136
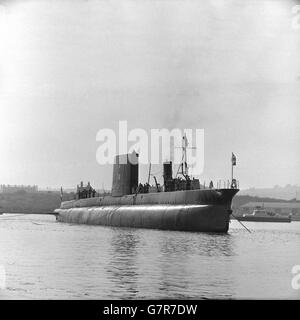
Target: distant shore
31, 202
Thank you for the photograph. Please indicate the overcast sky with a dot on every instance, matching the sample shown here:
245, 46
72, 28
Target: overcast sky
70, 68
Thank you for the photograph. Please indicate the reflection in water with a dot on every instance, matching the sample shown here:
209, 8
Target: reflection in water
216, 245
122, 268
170, 270
208, 244
64, 261
169, 258
177, 277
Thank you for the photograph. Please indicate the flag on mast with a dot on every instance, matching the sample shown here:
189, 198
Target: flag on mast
233, 159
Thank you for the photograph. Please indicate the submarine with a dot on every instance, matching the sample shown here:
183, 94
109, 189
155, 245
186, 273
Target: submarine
181, 204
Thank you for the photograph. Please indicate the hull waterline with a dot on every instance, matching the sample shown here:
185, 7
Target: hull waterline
198, 211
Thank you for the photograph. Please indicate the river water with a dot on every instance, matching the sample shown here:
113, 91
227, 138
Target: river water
44, 259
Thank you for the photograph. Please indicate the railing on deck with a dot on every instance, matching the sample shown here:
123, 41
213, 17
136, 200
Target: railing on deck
220, 184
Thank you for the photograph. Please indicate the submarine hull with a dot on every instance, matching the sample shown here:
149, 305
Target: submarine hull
205, 218
197, 210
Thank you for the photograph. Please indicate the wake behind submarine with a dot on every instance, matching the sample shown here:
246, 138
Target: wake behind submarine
180, 204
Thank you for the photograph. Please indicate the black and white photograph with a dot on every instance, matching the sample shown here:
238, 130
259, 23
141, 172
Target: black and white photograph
149, 150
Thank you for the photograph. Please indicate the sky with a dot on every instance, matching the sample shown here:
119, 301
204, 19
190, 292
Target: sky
71, 68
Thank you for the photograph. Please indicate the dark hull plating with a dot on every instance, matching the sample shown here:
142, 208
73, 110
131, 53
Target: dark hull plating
194, 210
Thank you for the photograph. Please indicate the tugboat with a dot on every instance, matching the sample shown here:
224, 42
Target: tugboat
181, 204
262, 215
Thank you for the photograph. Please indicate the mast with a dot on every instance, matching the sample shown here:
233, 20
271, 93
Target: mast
156, 183
185, 170
149, 173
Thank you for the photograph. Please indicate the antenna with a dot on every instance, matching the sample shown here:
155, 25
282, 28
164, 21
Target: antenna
183, 165
185, 170
149, 173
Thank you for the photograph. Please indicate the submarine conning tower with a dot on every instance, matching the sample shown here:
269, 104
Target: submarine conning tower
125, 174
168, 177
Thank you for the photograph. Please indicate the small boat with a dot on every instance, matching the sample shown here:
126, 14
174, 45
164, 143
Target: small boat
262, 215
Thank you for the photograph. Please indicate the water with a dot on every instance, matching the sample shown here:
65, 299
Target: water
44, 259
